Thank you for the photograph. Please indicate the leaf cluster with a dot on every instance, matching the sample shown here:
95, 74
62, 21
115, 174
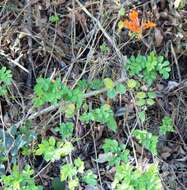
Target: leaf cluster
148, 68
148, 140
128, 177
118, 152
69, 172
53, 150
20, 179
103, 115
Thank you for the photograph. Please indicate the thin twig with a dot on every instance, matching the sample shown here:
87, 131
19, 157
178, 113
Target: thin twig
28, 18
176, 62
15, 62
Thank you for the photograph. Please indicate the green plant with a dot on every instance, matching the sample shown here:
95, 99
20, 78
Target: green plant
147, 68
69, 172
166, 126
128, 177
5, 80
19, 180
104, 48
54, 19
116, 152
93, 84
113, 89
145, 98
131, 84
148, 140
47, 91
104, 115
90, 178
65, 130
52, 150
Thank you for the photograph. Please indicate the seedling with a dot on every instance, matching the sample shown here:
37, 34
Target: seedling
54, 19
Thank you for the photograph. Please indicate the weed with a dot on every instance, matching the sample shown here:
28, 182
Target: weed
117, 152
128, 177
166, 126
65, 130
69, 172
20, 179
148, 68
104, 48
113, 89
52, 150
54, 19
104, 115
5, 80
148, 140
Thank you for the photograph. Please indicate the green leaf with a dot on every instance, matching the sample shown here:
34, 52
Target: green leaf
66, 149
141, 95
67, 171
90, 178
5, 80
150, 101
109, 84
111, 93
104, 48
120, 88
57, 184
140, 102
69, 110
73, 183
122, 11
151, 95
104, 115
79, 164
131, 83
96, 84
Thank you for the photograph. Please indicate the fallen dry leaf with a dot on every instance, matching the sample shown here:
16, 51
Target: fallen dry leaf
158, 37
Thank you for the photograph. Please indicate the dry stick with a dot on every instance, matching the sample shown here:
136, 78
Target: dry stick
28, 18
96, 157
176, 61
15, 62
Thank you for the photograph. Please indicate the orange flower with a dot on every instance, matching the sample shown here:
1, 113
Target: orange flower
133, 23
131, 26
148, 25
133, 16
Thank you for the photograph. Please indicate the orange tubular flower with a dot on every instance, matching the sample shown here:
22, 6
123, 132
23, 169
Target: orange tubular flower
133, 23
133, 15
